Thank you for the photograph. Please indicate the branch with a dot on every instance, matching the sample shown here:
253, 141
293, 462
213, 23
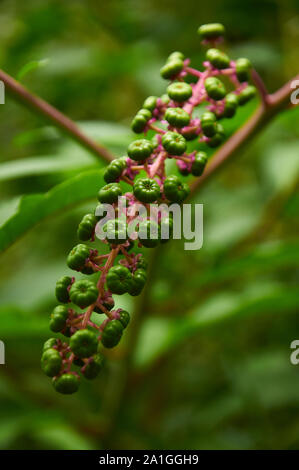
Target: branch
271, 105
52, 114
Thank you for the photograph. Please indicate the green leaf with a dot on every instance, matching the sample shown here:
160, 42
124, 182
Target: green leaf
34, 208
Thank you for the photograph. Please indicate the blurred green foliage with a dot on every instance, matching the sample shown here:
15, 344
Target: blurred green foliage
210, 368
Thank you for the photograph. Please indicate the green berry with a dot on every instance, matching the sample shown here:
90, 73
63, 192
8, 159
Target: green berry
119, 279
140, 149
115, 169
51, 362
100, 211
175, 190
84, 343
172, 68
86, 227
218, 59
94, 367
83, 293
211, 31
61, 290
124, 318
146, 190
243, 67
140, 120
116, 231
67, 383
189, 134
218, 138
207, 121
77, 257
49, 344
199, 163
148, 233
247, 94
231, 104
179, 91
109, 193
174, 143
150, 103
58, 318
138, 282
177, 117
175, 55
215, 88
112, 333
165, 98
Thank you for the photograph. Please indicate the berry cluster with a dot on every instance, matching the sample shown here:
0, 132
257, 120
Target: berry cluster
175, 120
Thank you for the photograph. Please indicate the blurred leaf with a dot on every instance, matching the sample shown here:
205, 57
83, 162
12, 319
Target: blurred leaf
43, 165
160, 335
34, 208
30, 66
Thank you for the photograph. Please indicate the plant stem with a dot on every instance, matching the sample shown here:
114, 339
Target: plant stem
61, 121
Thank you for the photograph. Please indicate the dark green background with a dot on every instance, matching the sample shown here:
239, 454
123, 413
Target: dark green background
209, 354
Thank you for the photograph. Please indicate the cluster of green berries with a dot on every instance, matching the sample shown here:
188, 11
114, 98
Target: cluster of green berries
81, 349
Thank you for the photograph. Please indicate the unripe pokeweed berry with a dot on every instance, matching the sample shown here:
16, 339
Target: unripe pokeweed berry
176, 55
207, 121
150, 103
83, 293
146, 190
199, 163
84, 343
172, 68
215, 88
175, 190
114, 170
61, 290
119, 279
218, 138
58, 318
211, 31
49, 344
86, 227
67, 383
217, 58
94, 367
124, 318
140, 149
243, 67
78, 256
148, 233
177, 117
246, 95
109, 193
179, 91
138, 282
112, 334
174, 143
116, 231
51, 362
140, 120
231, 105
